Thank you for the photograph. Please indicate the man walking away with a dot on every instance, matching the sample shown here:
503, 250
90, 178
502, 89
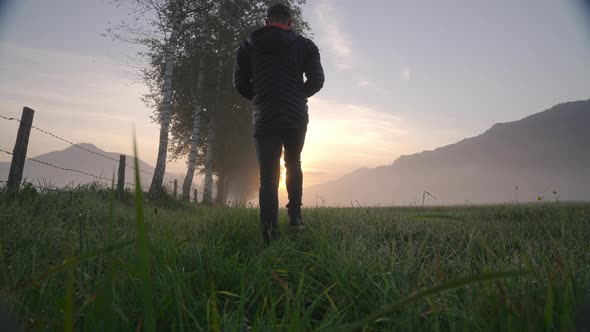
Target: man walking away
269, 71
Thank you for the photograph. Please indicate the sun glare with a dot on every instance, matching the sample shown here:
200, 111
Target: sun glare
282, 181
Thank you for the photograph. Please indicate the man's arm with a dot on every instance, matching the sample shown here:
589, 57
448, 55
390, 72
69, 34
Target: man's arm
313, 69
243, 72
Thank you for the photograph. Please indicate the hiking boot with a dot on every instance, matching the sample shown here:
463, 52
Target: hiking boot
296, 224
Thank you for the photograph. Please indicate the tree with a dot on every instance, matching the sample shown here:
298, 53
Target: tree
208, 186
160, 169
211, 134
198, 107
159, 29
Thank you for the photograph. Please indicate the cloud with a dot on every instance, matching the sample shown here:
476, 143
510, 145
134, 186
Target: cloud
341, 66
331, 35
82, 98
343, 137
406, 73
364, 83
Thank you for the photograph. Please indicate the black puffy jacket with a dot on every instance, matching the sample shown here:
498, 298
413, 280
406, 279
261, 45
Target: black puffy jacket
269, 71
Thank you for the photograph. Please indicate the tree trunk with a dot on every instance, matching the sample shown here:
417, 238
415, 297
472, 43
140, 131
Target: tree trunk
160, 170
192, 158
220, 188
222, 182
208, 187
210, 157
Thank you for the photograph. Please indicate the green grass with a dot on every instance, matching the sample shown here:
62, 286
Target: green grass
81, 261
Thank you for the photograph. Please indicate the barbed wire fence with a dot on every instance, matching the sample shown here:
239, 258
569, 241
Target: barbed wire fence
100, 179
97, 178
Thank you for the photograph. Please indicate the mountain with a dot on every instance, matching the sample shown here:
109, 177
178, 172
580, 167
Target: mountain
78, 159
520, 160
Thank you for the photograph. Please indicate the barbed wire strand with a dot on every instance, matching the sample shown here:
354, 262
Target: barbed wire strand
47, 188
9, 118
43, 189
96, 177
76, 145
62, 139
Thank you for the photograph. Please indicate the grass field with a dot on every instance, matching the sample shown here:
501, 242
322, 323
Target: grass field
81, 261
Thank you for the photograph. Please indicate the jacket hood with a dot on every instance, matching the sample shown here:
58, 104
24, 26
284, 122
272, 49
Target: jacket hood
271, 39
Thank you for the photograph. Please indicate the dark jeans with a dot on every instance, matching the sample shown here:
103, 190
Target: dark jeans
269, 144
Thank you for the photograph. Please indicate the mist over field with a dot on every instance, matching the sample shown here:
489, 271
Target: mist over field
541, 157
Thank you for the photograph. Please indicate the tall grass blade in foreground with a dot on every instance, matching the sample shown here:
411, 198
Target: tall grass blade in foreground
69, 302
436, 216
142, 250
4, 283
453, 284
108, 294
71, 262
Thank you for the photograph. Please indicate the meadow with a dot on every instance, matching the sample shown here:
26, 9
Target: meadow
81, 260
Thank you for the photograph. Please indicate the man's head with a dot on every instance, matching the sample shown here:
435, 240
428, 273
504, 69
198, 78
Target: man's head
278, 14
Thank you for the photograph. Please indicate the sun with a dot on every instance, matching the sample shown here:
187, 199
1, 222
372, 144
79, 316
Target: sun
282, 179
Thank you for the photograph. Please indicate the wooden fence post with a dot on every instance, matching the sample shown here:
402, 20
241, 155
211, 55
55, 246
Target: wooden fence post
121, 176
19, 154
175, 188
196, 199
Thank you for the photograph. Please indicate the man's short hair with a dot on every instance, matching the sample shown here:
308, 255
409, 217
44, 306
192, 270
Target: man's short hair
278, 13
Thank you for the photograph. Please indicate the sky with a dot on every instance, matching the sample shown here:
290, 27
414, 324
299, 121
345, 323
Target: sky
401, 76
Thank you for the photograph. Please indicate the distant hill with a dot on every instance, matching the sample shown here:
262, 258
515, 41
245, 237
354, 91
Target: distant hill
542, 153
78, 159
